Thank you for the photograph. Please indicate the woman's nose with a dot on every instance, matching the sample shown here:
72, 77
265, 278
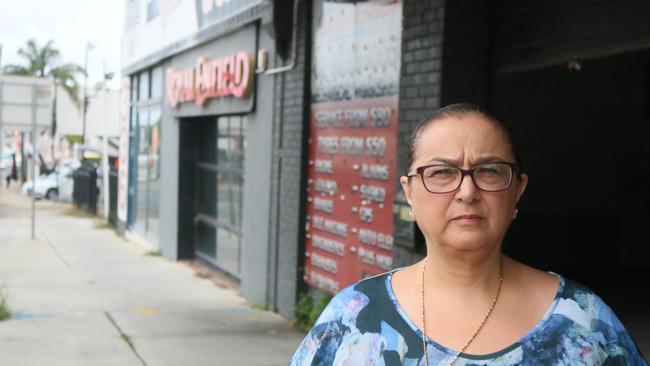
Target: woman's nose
467, 191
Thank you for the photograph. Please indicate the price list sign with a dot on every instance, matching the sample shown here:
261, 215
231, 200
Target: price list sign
352, 145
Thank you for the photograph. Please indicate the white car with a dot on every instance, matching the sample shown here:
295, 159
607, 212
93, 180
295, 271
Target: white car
56, 186
46, 186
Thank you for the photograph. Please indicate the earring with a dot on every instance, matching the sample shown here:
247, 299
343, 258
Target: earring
516, 212
411, 212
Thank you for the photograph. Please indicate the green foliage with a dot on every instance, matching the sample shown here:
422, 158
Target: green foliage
40, 62
309, 308
260, 307
153, 253
5, 313
73, 139
102, 224
302, 310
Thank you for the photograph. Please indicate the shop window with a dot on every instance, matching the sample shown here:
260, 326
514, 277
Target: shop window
132, 13
156, 82
134, 88
143, 92
144, 181
219, 191
153, 9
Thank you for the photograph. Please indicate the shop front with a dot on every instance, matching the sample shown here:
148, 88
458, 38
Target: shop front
199, 128
210, 96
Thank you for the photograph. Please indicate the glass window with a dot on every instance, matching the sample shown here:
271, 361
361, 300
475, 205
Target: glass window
220, 187
206, 239
153, 9
207, 142
228, 247
143, 137
156, 82
153, 167
134, 88
132, 13
207, 202
144, 153
143, 93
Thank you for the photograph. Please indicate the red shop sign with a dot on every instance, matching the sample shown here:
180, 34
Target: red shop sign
226, 76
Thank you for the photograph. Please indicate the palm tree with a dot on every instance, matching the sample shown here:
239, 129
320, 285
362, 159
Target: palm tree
40, 62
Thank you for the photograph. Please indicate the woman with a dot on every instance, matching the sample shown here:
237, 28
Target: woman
466, 303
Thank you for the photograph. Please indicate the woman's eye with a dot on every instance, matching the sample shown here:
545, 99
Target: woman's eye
441, 172
488, 170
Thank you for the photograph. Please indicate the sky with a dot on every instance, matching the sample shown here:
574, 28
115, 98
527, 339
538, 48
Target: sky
71, 24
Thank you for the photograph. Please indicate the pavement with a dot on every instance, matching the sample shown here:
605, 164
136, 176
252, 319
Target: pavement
82, 295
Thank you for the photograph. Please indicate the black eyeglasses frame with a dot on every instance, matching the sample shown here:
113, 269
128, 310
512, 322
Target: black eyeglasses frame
514, 169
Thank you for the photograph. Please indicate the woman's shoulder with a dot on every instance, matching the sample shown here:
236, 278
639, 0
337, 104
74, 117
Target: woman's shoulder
572, 299
587, 318
351, 300
580, 319
582, 305
345, 325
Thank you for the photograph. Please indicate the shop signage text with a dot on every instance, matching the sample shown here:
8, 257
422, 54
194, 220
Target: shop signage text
231, 75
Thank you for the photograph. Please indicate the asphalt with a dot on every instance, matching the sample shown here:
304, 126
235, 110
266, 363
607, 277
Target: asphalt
82, 295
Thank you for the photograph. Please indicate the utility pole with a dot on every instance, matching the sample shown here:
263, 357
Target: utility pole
54, 121
89, 47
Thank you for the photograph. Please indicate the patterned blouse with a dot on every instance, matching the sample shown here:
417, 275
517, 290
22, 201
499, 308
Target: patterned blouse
364, 325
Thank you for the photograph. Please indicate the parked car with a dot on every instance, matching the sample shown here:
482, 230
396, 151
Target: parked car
5, 161
56, 186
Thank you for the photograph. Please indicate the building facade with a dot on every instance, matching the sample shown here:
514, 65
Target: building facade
198, 131
288, 180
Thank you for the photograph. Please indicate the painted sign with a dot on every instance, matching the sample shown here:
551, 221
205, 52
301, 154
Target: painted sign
352, 151
231, 75
123, 168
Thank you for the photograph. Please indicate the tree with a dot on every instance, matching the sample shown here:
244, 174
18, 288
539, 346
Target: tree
41, 61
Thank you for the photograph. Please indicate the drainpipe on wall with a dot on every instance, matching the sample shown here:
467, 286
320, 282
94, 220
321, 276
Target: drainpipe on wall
294, 45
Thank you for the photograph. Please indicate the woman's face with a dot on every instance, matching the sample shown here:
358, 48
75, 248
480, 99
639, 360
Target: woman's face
462, 142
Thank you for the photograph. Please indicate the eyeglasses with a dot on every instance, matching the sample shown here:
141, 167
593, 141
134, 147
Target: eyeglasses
489, 177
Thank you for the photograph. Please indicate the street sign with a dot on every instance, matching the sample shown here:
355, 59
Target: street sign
16, 102
26, 104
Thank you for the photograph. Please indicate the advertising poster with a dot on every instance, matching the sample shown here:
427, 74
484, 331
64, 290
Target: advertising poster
353, 139
123, 168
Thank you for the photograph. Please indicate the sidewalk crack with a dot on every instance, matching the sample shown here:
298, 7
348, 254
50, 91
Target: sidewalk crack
56, 251
125, 337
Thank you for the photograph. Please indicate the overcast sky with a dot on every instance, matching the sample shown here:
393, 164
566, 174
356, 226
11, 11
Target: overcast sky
71, 24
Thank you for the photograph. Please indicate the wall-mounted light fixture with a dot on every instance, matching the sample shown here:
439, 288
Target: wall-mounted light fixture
573, 64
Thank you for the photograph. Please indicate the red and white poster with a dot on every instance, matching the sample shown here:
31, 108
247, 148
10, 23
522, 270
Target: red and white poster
352, 153
123, 169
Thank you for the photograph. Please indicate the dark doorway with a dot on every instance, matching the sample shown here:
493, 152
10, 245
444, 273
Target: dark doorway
584, 136
211, 190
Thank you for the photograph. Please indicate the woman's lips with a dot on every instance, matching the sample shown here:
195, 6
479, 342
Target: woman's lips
468, 219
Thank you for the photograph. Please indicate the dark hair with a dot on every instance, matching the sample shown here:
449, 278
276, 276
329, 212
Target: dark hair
460, 110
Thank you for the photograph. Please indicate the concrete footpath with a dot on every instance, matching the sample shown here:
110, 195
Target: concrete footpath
81, 295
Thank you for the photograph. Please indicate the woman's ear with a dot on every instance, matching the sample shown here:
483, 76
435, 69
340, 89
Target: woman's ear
523, 182
406, 187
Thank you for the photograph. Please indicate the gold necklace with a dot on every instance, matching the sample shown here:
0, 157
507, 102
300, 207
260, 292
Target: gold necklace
424, 329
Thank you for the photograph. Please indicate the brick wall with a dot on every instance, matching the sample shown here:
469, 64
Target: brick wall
422, 36
291, 122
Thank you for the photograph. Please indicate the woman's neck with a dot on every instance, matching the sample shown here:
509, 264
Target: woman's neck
453, 270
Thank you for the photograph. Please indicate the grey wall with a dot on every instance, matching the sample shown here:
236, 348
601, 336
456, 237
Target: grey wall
257, 187
169, 157
422, 39
290, 131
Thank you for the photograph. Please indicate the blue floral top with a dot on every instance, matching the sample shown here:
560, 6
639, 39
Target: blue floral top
364, 325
